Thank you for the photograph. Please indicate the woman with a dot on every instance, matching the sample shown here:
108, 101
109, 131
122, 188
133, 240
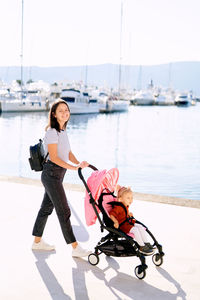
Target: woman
57, 146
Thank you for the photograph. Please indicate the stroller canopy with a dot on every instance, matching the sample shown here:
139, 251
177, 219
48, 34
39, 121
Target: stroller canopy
98, 182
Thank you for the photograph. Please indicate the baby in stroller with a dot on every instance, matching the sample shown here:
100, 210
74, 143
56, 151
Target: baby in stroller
102, 204
122, 218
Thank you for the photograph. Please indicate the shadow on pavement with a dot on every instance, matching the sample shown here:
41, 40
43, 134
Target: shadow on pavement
49, 279
127, 285
80, 231
180, 292
130, 286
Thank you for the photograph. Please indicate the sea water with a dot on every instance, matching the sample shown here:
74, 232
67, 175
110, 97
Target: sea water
155, 148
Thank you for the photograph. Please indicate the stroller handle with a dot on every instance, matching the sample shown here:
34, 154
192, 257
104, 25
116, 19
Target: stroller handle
82, 178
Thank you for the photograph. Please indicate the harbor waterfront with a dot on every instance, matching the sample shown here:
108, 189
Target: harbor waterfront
155, 148
81, 188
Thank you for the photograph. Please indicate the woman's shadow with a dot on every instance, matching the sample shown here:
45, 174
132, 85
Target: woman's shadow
55, 289
79, 230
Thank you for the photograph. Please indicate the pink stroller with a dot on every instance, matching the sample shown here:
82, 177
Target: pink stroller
99, 196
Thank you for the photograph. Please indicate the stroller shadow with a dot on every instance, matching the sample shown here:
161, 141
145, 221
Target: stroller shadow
126, 284
80, 231
49, 279
180, 292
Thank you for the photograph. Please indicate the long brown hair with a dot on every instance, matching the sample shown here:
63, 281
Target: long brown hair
53, 123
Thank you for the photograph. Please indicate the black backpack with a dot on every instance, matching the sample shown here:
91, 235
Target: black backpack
38, 157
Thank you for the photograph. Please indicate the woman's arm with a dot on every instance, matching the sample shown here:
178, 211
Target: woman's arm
53, 154
72, 158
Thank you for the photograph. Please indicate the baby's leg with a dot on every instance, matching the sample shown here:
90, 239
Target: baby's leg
137, 235
142, 232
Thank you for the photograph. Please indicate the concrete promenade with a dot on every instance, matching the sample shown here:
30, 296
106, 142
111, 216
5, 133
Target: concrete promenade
28, 275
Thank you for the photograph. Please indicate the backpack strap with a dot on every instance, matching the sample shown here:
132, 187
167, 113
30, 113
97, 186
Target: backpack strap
45, 158
41, 142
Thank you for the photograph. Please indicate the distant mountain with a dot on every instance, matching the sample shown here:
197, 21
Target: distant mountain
180, 75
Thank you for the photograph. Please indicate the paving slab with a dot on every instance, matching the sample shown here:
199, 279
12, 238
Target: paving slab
31, 275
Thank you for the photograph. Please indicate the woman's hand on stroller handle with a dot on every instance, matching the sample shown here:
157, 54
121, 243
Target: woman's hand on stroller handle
83, 164
87, 165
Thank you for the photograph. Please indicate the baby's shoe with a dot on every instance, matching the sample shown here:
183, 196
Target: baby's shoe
146, 250
150, 246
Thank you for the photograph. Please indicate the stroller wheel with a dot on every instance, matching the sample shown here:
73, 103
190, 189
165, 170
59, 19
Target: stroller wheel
93, 259
140, 272
157, 259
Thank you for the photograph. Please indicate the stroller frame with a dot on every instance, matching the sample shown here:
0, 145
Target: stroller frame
116, 242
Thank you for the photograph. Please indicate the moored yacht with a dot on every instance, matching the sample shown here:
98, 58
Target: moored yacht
79, 103
23, 101
143, 98
164, 99
183, 99
109, 104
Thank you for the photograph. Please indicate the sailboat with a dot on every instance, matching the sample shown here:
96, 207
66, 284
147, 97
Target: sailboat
22, 100
116, 103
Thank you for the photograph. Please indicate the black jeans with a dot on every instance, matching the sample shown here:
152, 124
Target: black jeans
52, 178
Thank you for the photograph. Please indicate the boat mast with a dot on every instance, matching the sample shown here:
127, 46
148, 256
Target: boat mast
21, 55
120, 67
86, 75
170, 78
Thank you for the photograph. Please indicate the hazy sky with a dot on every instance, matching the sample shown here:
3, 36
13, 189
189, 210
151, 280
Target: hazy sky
80, 32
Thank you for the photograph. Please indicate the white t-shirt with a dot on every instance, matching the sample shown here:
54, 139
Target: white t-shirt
52, 136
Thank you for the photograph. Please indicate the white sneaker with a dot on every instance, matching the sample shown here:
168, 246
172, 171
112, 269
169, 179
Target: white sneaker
42, 246
80, 252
